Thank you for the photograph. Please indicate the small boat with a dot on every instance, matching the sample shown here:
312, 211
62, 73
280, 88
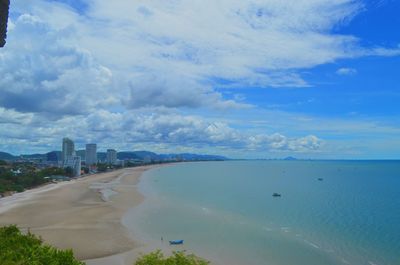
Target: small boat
276, 194
320, 179
176, 242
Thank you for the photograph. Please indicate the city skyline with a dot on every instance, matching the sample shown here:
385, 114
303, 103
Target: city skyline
91, 154
243, 79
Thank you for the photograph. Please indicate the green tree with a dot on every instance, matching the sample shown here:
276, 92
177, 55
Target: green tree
52, 171
102, 167
69, 171
19, 249
177, 258
85, 169
27, 176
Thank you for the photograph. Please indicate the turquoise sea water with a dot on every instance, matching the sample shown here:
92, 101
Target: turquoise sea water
225, 211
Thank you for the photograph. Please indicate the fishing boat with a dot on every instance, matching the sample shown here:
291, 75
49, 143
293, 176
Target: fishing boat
176, 242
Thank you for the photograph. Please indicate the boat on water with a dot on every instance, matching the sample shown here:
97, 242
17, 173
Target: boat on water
176, 242
320, 179
276, 194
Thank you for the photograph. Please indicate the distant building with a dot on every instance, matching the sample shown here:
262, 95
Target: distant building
75, 163
81, 154
120, 163
68, 150
69, 157
111, 156
91, 154
16, 172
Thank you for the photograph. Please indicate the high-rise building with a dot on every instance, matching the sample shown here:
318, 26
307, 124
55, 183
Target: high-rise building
91, 154
68, 149
69, 158
111, 156
74, 162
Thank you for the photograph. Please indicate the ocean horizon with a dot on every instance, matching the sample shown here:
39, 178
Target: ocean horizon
330, 212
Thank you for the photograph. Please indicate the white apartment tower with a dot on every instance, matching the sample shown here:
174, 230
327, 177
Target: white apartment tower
69, 158
74, 162
68, 150
91, 154
111, 156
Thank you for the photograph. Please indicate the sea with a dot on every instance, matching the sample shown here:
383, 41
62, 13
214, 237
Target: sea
329, 212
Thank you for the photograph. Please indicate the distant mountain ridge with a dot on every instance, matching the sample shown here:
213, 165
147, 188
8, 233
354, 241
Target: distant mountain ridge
123, 155
6, 156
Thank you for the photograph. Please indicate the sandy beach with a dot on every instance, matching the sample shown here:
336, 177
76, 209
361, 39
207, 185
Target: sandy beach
83, 214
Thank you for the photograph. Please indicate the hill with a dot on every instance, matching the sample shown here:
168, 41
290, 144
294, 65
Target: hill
6, 156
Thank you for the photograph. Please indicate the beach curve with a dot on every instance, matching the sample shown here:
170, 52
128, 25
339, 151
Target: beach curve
84, 215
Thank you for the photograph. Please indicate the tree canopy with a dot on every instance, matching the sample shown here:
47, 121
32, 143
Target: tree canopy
177, 258
26, 178
20, 249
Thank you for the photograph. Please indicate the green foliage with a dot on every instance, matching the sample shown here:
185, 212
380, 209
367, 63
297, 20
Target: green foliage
19, 249
69, 171
178, 258
85, 169
19, 182
52, 171
102, 167
28, 177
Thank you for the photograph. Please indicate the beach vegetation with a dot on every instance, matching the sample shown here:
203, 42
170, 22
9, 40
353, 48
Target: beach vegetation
102, 167
86, 170
19, 248
19, 177
177, 258
69, 171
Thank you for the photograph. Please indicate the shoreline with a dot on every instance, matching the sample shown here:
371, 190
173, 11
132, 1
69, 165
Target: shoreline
84, 215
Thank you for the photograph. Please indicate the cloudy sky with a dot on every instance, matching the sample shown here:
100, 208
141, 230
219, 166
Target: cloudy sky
242, 78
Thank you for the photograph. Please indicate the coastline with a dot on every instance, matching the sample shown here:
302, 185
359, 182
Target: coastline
84, 215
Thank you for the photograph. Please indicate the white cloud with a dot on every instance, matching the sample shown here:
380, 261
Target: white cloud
167, 53
279, 142
180, 50
257, 43
346, 71
249, 43
164, 91
8, 116
104, 74
129, 128
168, 131
42, 73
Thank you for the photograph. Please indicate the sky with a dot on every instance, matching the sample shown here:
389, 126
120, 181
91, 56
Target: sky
241, 78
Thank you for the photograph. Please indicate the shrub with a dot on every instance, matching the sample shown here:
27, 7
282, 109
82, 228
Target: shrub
178, 258
19, 249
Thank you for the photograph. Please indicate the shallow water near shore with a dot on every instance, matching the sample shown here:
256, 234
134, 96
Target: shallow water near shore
225, 211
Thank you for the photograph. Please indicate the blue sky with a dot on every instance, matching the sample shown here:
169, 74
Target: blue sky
257, 78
